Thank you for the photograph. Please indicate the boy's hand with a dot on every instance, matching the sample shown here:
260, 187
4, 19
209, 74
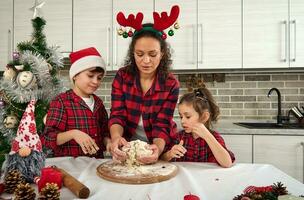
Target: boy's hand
177, 151
86, 143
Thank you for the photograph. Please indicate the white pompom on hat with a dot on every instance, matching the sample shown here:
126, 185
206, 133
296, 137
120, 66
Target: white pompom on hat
85, 59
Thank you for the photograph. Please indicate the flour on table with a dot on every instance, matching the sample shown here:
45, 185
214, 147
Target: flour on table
137, 149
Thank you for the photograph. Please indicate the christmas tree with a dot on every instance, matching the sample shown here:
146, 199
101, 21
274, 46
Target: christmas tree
32, 74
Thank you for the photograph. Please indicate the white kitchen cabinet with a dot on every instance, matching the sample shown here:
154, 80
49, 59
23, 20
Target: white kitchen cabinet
241, 146
120, 44
296, 33
92, 21
219, 34
6, 32
58, 16
184, 41
284, 152
273, 34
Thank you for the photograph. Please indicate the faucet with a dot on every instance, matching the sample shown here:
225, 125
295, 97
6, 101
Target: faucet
280, 118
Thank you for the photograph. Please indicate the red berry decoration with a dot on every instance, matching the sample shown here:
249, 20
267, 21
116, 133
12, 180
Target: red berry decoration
130, 33
164, 36
191, 197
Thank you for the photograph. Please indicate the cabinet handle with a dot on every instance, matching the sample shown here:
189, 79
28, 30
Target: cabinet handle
285, 27
108, 46
201, 53
294, 40
302, 144
9, 46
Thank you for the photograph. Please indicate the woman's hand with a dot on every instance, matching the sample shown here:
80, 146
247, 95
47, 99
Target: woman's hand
152, 158
116, 146
86, 143
177, 151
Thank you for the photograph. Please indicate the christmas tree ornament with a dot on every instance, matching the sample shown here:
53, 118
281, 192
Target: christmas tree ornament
125, 35
9, 74
161, 22
37, 9
176, 25
26, 138
11, 180
11, 121
19, 67
2, 103
50, 192
164, 36
120, 31
44, 119
130, 33
26, 79
170, 32
16, 55
24, 191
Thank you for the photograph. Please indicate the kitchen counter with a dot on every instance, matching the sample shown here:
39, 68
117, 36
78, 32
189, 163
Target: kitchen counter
228, 127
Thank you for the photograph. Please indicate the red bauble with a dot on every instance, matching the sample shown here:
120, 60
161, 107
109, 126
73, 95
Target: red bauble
130, 33
191, 197
49, 175
164, 36
1, 188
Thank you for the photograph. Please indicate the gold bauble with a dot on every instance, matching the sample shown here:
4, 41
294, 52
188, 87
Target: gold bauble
176, 25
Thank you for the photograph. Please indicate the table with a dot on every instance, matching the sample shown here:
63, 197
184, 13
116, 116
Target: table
206, 180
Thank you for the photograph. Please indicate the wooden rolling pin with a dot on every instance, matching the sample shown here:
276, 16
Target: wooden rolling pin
79, 189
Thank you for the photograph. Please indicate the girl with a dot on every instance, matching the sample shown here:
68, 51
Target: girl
197, 142
77, 122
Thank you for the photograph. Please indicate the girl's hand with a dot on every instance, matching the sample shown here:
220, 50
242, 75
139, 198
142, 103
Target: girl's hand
152, 158
116, 145
200, 130
86, 143
177, 151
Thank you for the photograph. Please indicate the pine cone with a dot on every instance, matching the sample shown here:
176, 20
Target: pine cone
11, 180
24, 192
50, 192
279, 189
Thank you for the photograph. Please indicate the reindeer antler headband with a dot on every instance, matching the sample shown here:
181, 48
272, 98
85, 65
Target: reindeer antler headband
161, 22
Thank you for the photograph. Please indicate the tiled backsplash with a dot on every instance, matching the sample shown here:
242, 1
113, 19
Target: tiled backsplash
240, 96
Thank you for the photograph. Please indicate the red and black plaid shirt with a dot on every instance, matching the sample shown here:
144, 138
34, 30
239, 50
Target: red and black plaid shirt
68, 111
156, 106
197, 149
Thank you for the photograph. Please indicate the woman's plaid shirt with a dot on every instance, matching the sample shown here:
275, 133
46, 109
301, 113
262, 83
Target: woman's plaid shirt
156, 106
68, 111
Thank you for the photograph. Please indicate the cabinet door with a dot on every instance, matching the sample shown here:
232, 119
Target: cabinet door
58, 16
184, 42
92, 27
120, 44
6, 34
265, 34
241, 146
219, 34
296, 33
284, 152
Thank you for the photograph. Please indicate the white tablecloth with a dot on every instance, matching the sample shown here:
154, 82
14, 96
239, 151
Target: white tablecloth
208, 181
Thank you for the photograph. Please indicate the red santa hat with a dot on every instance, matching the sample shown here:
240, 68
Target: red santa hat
85, 59
27, 133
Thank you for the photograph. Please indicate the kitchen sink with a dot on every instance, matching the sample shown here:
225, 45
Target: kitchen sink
265, 125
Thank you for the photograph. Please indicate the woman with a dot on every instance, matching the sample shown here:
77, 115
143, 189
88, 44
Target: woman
144, 96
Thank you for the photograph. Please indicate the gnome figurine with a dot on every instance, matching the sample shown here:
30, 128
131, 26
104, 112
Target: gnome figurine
26, 154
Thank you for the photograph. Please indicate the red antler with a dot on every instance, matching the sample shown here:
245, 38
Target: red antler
165, 21
131, 21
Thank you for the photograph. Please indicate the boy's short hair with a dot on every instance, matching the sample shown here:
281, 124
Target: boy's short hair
85, 59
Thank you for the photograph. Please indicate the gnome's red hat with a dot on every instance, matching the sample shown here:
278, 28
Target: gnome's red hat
27, 133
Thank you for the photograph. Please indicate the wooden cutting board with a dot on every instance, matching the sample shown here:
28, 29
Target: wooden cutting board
145, 174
